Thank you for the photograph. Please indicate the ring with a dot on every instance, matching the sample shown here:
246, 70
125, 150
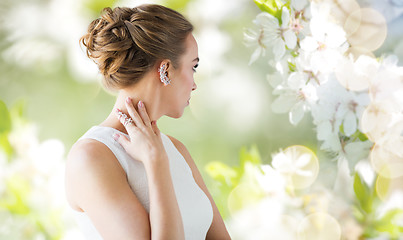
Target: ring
128, 121
122, 115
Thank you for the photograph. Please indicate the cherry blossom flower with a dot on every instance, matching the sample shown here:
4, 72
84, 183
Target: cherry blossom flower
290, 165
298, 93
271, 34
356, 75
300, 14
351, 107
299, 5
282, 71
387, 82
271, 181
327, 43
298, 164
296, 97
260, 38
324, 115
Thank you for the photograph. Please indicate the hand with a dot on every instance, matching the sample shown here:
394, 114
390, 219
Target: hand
145, 142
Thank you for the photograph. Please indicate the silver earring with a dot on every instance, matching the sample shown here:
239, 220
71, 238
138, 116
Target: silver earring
163, 75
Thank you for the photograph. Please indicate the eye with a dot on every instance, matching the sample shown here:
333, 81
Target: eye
194, 67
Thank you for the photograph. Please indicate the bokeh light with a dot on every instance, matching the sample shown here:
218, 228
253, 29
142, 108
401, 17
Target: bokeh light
387, 160
319, 226
366, 28
386, 186
299, 164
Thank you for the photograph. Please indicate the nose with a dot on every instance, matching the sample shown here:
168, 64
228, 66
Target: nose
194, 86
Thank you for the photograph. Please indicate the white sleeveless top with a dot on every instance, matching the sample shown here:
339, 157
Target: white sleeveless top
195, 207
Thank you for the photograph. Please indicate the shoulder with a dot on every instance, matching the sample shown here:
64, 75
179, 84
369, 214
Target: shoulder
88, 147
89, 163
89, 153
176, 142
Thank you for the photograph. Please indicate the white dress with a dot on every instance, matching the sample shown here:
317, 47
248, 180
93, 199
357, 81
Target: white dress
195, 207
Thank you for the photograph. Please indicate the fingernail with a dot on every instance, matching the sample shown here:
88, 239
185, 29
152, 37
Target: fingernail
116, 136
141, 104
128, 99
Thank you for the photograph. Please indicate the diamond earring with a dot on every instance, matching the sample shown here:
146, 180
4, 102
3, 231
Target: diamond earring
163, 75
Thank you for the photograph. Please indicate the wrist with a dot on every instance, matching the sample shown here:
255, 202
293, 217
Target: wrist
157, 163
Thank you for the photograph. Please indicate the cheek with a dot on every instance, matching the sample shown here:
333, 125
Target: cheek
190, 80
187, 81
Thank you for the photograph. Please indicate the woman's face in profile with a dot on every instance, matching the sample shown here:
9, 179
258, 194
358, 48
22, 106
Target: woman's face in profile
182, 81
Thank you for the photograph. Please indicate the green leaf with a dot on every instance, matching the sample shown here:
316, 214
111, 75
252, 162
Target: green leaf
222, 173
251, 156
6, 146
245, 194
292, 67
17, 190
358, 214
382, 184
18, 109
364, 194
228, 178
386, 223
271, 6
5, 120
5, 128
356, 151
358, 134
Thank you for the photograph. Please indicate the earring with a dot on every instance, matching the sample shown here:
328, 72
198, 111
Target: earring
164, 75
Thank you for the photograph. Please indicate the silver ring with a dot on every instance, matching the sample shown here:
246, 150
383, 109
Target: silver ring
122, 115
128, 121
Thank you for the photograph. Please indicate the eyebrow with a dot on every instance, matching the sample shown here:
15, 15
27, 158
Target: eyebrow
196, 59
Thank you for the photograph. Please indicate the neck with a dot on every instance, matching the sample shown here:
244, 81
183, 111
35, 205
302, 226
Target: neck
148, 91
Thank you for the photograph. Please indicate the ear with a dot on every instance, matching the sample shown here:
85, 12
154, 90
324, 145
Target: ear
165, 65
163, 71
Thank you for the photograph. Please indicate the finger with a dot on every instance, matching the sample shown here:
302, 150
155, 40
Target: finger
124, 119
155, 128
122, 140
144, 114
133, 113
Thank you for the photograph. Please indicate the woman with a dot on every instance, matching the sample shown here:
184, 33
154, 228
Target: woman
125, 179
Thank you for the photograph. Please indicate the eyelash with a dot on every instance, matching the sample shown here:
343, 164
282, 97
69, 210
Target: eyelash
194, 67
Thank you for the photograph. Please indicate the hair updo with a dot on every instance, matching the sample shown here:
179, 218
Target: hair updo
126, 43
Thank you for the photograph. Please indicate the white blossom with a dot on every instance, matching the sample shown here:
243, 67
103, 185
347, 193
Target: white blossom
272, 34
356, 75
326, 45
324, 115
299, 5
351, 107
272, 182
291, 164
300, 15
296, 97
262, 37
387, 82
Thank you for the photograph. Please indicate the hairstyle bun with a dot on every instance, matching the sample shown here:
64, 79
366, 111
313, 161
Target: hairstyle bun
125, 43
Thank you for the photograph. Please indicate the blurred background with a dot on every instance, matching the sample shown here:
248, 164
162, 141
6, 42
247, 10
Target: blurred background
51, 95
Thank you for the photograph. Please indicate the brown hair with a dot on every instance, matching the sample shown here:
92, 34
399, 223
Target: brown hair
125, 52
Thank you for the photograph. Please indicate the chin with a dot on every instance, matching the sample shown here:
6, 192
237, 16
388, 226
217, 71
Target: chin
175, 114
